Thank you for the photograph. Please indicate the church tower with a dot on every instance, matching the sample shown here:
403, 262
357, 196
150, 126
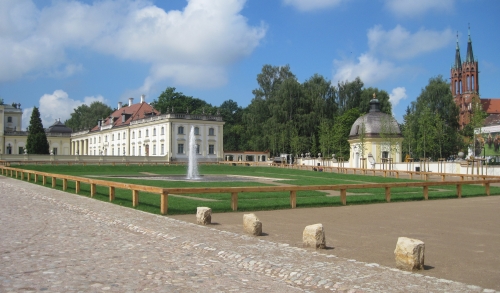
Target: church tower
465, 82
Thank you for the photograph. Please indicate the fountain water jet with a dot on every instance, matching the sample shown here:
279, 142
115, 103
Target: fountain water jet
192, 160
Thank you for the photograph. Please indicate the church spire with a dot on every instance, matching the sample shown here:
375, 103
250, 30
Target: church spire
470, 55
458, 60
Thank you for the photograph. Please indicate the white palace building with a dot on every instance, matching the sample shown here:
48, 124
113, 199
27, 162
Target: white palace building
140, 130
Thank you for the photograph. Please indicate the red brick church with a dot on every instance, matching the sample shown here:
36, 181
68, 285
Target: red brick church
465, 88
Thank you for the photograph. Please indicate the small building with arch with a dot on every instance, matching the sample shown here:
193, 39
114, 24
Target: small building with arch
375, 138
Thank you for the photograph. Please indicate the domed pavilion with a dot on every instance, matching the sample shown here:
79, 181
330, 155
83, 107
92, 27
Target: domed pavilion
375, 138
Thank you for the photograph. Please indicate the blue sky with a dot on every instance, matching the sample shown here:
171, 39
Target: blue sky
59, 54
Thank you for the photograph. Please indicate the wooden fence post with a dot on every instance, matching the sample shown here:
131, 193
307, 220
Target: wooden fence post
135, 198
426, 192
92, 190
111, 193
164, 202
77, 187
459, 190
234, 201
65, 183
293, 198
54, 182
29, 176
36, 178
487, 187
343, 196
388, 194
44, 180
442, 177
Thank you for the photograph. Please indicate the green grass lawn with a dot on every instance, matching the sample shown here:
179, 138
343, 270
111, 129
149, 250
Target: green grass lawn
251, 201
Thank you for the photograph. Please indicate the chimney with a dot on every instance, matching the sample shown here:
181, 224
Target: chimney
123, 117
130, 101
143, 98
119, 105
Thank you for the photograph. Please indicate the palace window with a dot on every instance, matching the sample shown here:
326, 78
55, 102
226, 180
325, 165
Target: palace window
180, 148
9, 119
154, 149
162, 130
147, 132
140, 134
154, 131
180, 130
162, 149
197, 148
196, 131
211, 131
211, 149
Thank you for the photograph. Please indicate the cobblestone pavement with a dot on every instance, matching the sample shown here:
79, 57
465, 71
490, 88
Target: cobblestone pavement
53, 241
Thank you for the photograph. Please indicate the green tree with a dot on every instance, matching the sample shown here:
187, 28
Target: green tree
349, 94
341, 128
234, 132
427, 133
434, 101
170, 100
477, 116
325, 138
381, 95
85, 117
37, 139
389, 132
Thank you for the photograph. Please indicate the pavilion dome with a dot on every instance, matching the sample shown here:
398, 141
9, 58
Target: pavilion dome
374, 122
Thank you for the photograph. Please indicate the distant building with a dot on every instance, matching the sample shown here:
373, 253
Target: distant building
464, 82
464, 78
375, 138
140, 130
13, 139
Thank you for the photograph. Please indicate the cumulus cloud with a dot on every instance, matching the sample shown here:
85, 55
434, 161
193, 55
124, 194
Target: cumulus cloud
401, 44
309, 5
370, 69
410, 8
397, 95
193, 47
57, 105
387, 47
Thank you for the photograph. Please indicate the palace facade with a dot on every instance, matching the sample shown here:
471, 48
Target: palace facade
140, 130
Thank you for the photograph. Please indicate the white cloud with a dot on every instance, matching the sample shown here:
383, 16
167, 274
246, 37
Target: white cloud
409, 8
309, 5
401, 44
370, 69
397, 95
57, 105
194, 46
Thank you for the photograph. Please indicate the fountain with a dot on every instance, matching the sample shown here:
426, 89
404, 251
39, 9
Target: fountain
192, 160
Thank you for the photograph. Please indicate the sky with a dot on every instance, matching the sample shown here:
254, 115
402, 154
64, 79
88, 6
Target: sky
60, 54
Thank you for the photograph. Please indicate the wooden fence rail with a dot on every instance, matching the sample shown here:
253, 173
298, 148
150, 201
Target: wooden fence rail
233, 191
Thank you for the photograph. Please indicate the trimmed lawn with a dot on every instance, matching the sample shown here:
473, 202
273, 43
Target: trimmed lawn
250, 201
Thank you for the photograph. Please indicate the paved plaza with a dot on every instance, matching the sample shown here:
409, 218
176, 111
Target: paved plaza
52, 241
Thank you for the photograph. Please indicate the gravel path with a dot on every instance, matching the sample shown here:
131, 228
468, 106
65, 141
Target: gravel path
53, 241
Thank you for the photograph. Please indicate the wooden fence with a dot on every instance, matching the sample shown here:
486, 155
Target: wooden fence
233, 191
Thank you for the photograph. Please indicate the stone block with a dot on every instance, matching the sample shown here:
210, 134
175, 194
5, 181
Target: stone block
204, 215
252, 224
314, 236
409, 254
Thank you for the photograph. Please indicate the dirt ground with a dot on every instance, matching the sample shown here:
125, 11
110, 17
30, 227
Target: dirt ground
462, 236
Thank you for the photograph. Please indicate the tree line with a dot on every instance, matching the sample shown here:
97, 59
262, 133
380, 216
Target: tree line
315, 116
